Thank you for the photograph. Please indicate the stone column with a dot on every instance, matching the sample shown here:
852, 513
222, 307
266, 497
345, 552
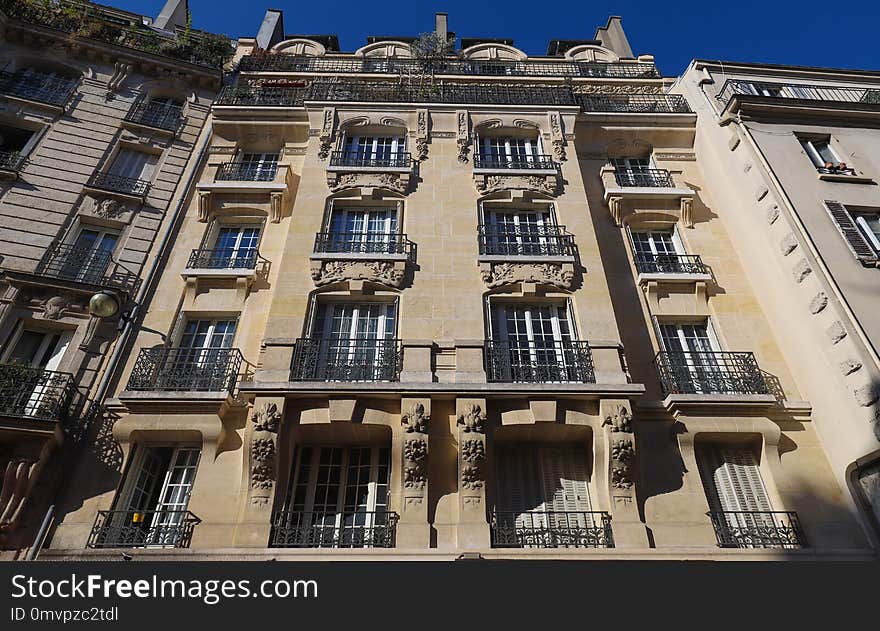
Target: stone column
619, 445
413, 530
473, 529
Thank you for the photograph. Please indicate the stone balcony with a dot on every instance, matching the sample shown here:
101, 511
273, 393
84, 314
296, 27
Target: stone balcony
644, 189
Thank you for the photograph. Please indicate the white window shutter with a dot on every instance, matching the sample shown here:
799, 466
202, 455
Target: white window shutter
850, 232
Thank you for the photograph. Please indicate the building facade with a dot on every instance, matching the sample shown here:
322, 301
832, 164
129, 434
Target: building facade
793, 154
429, 300
100, 113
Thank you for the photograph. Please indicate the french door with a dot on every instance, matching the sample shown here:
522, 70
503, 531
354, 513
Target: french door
236, 246
200, 359
160, 110
137, 165
519, 232
510, 152
543, 497
693, 357
538, 342
91, 255
338, 498
152, 510
37, 392
259, 167
357, 341
657, 250
370, 230
375, 150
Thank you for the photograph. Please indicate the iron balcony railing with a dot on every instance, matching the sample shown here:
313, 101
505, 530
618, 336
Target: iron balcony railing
349, 359
143, 528
11, 161
498, 161
801, 91
398, 160
86, 265
223, 258
158, 115
39, 87
831, 169
539, 361
634, 103
364, 243
551, 529
181, 369
717, 372
670, 264
651, 178
118, 184
524, 240
246, 172
261, 96
758, 529
39, 394
489, 67
355, 529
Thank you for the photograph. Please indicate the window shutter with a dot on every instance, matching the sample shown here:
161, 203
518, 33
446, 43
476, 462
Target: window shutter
851, 233
732, 480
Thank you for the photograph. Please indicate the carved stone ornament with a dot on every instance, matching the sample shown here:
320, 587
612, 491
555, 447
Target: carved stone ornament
415, 449
398, 182
263, 447
557, 274
620, 420
121, 70
390, 273
556, 136
622, 453
109, 208
472, 420
415, 455
422, 135
547, 184
267, 418
473, 450
463, 135
604, 88
262, 477
415, 419
54, 307
471, 477
328, 125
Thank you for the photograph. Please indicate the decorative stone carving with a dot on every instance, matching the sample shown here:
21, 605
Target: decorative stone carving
761, 192
422, 135
818, 303
415, 419
604, 88
547, 184
109, 208
121, 71
472, 420
471, 477
267, 419
391, 273
615, 205
398, 182
788, 244
328, 125
263, 449
54, 306
15, 483
463, 135
556, 136
415, 454
204, 205
836, 332
622, 453
557, 274
473, 452
619, 420
801, 270
849, 366
687, 212
275, 206
773, 214
867, 395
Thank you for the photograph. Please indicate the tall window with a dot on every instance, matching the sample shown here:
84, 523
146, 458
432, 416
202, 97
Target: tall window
337, 497
90, 255
161, 110
658, 251
137, 165
693, 356
151, 508
543, 497
35, 392
356, 341
14, 142
237, 246
377, 150
639, 172
519, 232
370, 230
259, 167
509, 151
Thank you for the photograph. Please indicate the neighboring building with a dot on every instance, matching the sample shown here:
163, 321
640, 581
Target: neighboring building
422, 305
793, 157
100, 114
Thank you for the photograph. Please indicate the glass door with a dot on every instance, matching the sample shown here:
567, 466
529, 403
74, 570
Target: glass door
236, 246
519, 232
657, 251
357, 341
90, 256
38, 353
200, 358
366, 230
538, 339
693, 357
257, 167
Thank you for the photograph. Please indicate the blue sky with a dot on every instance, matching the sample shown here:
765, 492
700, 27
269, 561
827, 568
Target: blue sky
832, 33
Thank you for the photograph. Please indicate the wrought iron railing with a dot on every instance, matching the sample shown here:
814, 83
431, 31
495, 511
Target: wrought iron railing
39, 87
670, 264
83, 264
758, 529
118, 184
489, 67
364, 243
223, 258
551, 529
499, 93
397, 160
836, 170
142, 529
718, 372
651, 178
539, 361
261, 96
498, 161
524, 240
802, 91
355, 529
158, 115
350, 359
181, 369
34, 393
247, 172
11, 161
634, 103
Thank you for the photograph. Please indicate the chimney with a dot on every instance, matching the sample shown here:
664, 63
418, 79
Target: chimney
441, 26
271, 30
173, 14
613, 37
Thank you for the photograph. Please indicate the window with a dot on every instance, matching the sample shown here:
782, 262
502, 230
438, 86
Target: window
375, 150
207, 334
259, 167
236, 246
90, 255
46, 86
35, 392
542, 497
509, 152
859, 228
338, 497
14, 144
823, 156
151, 509
693, 356
36, 349
869, 224
355, 341
518, 231
660, 251
161, 111
372, 230
639, 172
133, 164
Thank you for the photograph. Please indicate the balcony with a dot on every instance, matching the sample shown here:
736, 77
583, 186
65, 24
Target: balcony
223, 259
144, 113
758, 529
258, 96
246, 172
334, 530
37, 394
399, 160
633, 103
525, 241
354, 359
625, 189
183, 369
717, 372
484, 67
647, 178
675, 264
124, 185
551, 529
539, 361
505, 163
366, 243
86, 265
143, 528
11, 163
805, 98
38, 88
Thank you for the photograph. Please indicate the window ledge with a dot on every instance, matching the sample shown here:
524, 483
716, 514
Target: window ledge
501, 171
359, 169
525, 258
242, 186
114, 193
674, 278
357, 256
647, 192
241, 272
842, 177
